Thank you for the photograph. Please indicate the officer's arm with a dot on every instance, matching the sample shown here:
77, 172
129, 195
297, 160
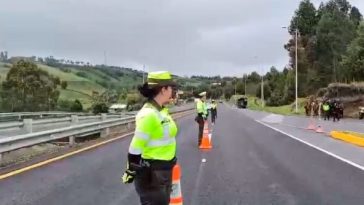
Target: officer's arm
137, 145
143, 129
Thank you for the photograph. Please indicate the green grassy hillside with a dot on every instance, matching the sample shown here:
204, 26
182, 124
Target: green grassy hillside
79, 87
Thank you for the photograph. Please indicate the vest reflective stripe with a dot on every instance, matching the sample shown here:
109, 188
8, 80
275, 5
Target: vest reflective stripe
134, 150
142, 135
162, 142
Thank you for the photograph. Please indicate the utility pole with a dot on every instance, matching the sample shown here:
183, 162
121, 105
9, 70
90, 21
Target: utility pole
143, 73
105, 60
245, 84
262, 91
296, 103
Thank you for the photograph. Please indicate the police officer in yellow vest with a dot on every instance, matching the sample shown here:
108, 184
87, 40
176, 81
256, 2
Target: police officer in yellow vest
213, 111
202, 113
152, 151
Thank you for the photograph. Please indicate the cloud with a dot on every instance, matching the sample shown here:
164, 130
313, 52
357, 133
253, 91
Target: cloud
190, 37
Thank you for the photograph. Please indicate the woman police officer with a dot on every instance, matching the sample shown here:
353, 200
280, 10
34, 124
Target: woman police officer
152, 151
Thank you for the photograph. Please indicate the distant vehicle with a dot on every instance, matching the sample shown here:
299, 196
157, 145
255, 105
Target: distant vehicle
361, 112
220, 101
242, 102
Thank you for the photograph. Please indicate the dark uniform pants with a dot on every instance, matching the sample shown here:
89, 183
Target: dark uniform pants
327, 115
154, 186
213, 115
200, 121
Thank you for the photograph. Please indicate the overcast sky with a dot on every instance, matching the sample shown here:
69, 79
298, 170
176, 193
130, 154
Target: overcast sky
187, 37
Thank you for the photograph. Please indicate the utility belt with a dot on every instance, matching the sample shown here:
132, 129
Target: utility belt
199, 117
158, 164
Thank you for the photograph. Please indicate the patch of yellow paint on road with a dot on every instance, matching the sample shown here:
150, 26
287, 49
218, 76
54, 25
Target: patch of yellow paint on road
350, 137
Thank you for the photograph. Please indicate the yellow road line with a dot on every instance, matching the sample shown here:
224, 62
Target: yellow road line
60, 157
39, 164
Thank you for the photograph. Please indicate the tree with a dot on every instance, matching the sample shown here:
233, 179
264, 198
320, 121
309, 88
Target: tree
28, 88
353, 61
33, 59
305, 19
40, 60
100, 108
240, 88
2, 56
267, 91
254, 77
51, 61
133, 98
355, 16
6, 55
343, 6
76, 106
64, 105
64, 85
228, 92
334, 32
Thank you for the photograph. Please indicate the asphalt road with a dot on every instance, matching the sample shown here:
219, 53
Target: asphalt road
249, 164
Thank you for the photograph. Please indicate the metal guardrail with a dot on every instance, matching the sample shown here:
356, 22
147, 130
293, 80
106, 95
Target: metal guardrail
9, 125
16, 142
19, 116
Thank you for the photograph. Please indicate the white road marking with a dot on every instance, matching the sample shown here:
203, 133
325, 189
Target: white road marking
315, 147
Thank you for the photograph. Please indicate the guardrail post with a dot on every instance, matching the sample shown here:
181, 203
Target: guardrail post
74, 119
28, 125
105, 132
1, 157
71, 140
103, 117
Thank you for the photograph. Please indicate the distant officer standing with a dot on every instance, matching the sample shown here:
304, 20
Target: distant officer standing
201, 110
213, 111
326, 109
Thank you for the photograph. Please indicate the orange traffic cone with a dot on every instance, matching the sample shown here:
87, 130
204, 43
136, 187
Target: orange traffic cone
206, 139
311, 126
176, 194
320, 129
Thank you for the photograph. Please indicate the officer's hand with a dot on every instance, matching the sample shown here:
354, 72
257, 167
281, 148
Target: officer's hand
128, 176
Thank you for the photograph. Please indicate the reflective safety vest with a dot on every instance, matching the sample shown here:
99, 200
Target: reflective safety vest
213, 105
326, 107
201, 107
155, 133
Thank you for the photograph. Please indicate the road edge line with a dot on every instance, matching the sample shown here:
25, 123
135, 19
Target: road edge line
39, 164
315, 147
